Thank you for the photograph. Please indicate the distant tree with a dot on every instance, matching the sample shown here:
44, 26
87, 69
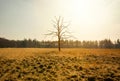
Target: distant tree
117, 44
61, 30
84, 44
4, 42
107, 43
24, 43
96, 44
35, 43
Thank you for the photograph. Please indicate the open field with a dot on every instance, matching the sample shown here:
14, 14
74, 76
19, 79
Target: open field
73, 64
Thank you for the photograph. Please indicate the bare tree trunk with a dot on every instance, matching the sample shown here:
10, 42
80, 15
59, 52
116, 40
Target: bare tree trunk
59, 37
59, 47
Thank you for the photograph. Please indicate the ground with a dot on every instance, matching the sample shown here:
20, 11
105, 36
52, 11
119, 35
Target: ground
73, 64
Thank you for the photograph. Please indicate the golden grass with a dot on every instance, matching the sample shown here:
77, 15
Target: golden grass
71, 64
24, 52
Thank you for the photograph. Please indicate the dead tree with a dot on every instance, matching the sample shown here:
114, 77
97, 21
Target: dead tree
60, 30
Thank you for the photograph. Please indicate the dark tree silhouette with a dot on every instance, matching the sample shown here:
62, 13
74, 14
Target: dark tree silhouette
29, 43
60, 30
106, 43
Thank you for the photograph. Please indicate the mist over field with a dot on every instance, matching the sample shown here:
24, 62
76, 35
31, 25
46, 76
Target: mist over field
59, 40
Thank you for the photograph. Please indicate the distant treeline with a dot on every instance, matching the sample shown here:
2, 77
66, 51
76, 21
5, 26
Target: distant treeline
28, 43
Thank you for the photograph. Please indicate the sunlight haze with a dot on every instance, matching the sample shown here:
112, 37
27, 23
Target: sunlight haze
89, 19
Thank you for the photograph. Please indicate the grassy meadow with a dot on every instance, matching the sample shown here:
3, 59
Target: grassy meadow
71, 64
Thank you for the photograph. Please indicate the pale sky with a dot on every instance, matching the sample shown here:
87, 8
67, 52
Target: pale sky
90, 19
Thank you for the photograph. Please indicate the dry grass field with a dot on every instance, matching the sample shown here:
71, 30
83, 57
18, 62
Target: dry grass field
73, 64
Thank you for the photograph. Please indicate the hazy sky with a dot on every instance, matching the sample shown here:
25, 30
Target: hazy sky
90, 19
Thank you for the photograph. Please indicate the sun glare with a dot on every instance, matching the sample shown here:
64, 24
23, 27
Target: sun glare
88, 16
89, 12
